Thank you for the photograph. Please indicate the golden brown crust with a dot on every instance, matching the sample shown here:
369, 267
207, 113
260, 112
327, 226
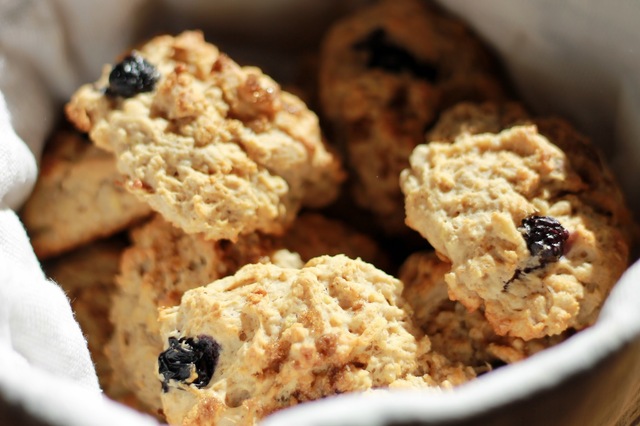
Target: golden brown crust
78, 197
292, 335
216, 148
603, 193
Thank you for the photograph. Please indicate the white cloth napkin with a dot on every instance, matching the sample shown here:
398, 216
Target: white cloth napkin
45, 368
579, 58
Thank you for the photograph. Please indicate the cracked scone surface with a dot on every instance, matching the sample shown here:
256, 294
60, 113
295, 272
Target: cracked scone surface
603, 192
216, 148
385, 74
163, 262
469, 198
460, 335
288, 335
78, 197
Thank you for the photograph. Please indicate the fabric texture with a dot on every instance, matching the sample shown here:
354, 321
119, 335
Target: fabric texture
45, 366
578, 58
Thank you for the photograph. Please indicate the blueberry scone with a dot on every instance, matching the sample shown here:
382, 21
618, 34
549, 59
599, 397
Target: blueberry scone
460, 335
270, 337
385, 74
215, 147
78, 197
164, 262
530, 240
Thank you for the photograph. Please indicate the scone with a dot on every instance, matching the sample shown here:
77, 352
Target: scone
88, 278
216, 148
164, 262
529, 239
458, 334
270, 337
78, 197
386, 72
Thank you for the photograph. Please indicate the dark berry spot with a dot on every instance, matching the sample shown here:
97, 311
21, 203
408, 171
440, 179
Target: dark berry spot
388, 56
545, 238
132, 76
186, 355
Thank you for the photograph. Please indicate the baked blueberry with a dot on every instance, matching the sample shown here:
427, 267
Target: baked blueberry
545, 238
186, 355
131, 76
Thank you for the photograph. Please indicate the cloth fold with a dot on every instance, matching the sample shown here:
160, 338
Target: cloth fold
45, 365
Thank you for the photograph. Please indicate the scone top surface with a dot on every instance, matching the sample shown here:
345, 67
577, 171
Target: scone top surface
602, 191
215, 147
469, 199
292, 335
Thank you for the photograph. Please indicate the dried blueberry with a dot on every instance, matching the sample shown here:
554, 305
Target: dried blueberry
132, 76
545, 238
388, 56
188, 354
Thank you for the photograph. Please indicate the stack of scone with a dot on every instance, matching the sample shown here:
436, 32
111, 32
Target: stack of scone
211, 237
